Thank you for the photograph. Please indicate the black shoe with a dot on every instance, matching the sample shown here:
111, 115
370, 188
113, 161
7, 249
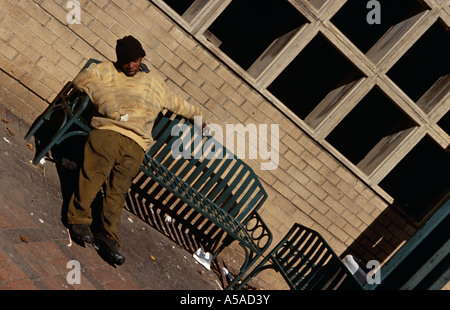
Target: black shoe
109, 249
81, 233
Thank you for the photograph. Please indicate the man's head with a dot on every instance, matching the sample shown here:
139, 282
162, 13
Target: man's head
129, 53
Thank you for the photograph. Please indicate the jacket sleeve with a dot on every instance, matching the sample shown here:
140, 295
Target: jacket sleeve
92, 83
179, 106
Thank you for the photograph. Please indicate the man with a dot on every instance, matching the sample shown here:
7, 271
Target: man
128, 98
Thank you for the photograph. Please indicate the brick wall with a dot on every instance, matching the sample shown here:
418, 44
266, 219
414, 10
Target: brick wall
40, 51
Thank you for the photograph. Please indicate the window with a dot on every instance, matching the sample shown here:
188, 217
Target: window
179, 6
370, 131
422, 65
247, 28
393, 14
318, 70
444, 123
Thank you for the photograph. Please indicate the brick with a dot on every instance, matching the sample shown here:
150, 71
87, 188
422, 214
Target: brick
34, 10
346, 175
168, 55
51, 55
347, 189
14, 11
142, 4
43, 91
52, 69
139, 17
314, 175
317, 204
308, 157
195, 92
119, 30
5, 34
211, 76
252, 96
218, 111
83, 48
123, 5
189, 58
309, 144
105, 49
68, 52
164, 38
40, 31
159, 19
232, 94
336, 218
24, 51
147, 40
7, 51
231, 79
55, 10
327, 160
320, 218
68, 67
352, 218
214, 93
283, 189
100, 15
173, 74
331, 189
330, 175
119, 16
10, 68
338, 232
102, 32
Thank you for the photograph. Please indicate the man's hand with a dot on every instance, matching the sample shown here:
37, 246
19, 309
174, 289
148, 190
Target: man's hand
204, 125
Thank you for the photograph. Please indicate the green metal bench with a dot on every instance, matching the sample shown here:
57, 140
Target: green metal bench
307, 262
223, 189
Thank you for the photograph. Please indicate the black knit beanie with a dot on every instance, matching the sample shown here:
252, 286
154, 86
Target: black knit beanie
128, 49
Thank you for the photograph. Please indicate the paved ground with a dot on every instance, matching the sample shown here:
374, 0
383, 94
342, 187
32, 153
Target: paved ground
34, 243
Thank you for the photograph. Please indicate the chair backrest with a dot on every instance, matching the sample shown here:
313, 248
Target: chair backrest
207, 166
307, 262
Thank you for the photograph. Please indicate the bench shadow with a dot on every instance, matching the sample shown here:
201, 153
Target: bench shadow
154, 205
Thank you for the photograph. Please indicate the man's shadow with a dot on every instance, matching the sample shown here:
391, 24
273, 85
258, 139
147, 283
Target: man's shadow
68, 158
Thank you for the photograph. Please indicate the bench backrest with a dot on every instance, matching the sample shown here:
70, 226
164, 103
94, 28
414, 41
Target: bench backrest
207, 166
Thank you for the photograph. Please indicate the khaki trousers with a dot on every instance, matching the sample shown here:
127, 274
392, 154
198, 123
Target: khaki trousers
112, 158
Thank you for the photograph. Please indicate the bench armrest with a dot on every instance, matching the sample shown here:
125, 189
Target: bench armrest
258, 231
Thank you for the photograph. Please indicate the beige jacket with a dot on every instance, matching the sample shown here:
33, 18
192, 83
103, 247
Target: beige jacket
130, 105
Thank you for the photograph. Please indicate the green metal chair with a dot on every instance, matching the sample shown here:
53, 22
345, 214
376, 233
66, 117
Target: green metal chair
67, 107
307, 262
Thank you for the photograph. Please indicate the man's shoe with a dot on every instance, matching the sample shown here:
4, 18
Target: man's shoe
81, 233
109, 248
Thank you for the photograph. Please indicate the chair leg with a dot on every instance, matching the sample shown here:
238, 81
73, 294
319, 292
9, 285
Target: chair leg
260, 267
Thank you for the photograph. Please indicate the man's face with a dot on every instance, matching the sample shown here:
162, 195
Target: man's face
131, 68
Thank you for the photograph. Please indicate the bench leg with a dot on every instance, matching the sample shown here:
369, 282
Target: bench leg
250, 258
